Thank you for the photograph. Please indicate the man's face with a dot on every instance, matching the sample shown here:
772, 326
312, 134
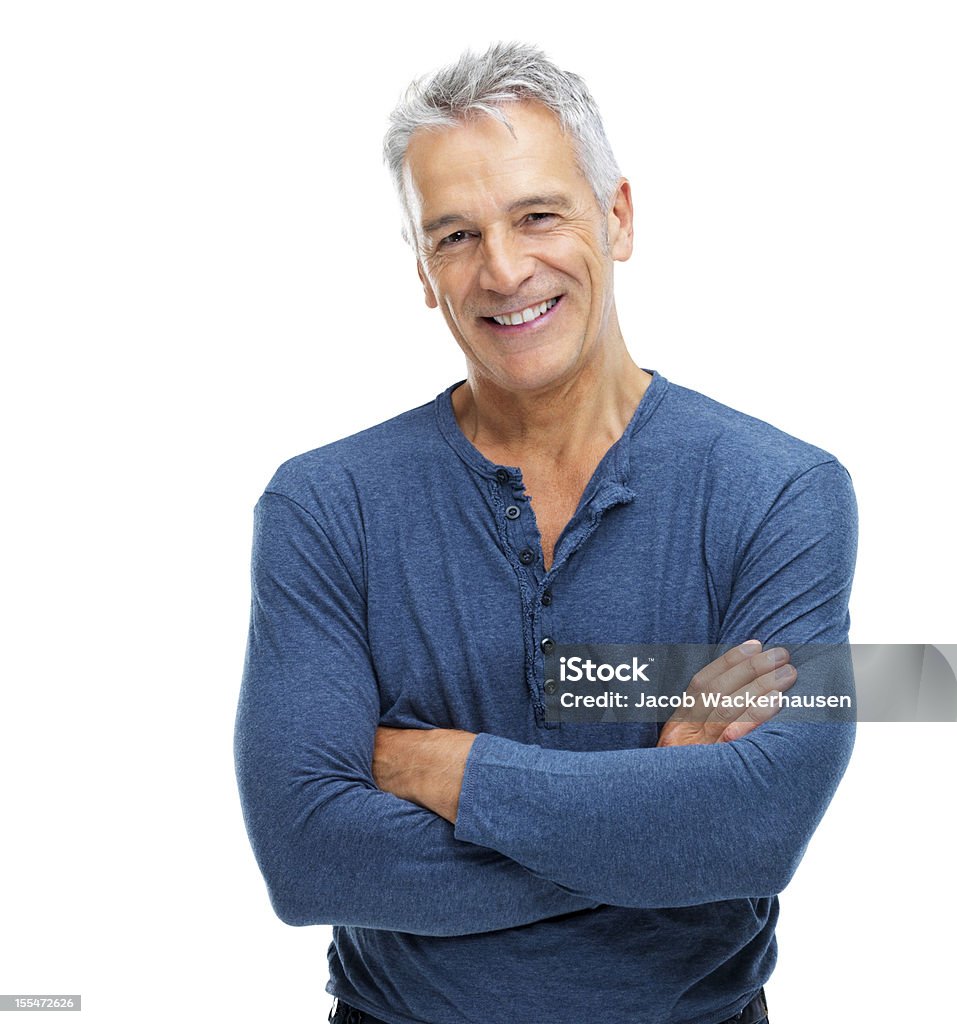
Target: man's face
507, 226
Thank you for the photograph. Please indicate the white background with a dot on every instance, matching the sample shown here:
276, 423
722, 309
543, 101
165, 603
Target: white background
202, 275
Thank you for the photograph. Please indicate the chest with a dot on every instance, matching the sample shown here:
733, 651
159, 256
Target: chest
457, 620
554, 496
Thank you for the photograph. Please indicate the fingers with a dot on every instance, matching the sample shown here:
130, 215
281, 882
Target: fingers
727, 696
750, 717
712, 677
730, 706
739, 668
730, 659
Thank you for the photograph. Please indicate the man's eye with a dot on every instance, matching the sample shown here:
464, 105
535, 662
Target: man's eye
538, 218
453, 239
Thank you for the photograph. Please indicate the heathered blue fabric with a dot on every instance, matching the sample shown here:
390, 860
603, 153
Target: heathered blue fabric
589, 875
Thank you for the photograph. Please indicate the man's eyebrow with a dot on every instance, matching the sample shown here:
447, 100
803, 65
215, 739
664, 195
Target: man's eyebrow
544, 199
550, 199
443, 222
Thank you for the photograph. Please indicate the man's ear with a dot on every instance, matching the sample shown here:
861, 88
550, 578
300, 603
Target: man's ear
430, 299
621, 223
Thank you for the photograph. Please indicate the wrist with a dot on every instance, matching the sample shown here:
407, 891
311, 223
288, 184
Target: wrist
440, 784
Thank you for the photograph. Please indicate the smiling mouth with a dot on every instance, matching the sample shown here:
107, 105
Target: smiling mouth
523, 316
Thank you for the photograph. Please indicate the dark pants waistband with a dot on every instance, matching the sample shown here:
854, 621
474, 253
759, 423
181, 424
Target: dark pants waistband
342, 1013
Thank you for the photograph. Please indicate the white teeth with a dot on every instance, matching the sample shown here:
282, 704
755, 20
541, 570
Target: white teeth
526, 315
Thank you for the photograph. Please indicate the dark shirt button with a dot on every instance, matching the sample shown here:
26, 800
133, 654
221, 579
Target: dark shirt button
548, 645
526, 556
547, 598
550, 686
513, 512
501, 475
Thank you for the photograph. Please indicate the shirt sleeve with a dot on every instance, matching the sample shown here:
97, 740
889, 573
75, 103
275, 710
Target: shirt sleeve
332, 847
678, 826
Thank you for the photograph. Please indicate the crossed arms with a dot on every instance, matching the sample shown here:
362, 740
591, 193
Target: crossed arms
427, 766
536, 832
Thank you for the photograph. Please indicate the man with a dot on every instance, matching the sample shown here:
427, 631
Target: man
400, 775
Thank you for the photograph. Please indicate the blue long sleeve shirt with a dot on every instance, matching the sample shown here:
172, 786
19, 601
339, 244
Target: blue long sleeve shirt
398, 579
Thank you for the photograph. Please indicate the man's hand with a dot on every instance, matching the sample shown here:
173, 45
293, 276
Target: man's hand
423, 765
743, 670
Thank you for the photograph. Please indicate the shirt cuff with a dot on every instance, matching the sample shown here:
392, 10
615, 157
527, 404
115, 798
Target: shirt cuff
488, 779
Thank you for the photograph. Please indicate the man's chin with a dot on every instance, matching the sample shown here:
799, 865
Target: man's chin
530, 375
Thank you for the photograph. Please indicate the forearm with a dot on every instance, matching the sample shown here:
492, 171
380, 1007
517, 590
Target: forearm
341, 852
656, 827
424, 766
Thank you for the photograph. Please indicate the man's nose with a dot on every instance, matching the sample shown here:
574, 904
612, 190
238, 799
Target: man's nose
505, 266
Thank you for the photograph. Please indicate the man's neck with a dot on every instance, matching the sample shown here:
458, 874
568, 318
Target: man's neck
569, 424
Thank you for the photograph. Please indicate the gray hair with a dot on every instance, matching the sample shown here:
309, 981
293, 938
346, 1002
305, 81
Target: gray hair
505, 73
